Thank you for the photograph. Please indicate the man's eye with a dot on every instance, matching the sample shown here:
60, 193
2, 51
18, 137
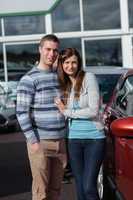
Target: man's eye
47, 49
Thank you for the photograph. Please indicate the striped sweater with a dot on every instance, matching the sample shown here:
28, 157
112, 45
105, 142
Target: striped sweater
37, 114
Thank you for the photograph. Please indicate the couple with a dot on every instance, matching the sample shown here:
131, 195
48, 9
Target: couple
42, 116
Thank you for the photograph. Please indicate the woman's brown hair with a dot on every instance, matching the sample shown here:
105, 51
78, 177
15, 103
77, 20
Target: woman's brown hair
65, 83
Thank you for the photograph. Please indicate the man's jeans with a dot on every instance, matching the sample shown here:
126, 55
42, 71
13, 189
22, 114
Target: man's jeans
47, 166
86, 156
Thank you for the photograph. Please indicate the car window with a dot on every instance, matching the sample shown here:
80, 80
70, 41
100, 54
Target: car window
124, 97
107, 82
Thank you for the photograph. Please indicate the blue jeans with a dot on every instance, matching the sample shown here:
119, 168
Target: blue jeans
86, 156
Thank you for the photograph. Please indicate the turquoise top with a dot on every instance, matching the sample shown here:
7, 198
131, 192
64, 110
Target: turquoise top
83, 128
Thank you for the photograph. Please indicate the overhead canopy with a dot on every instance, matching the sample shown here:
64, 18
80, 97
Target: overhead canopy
26, 7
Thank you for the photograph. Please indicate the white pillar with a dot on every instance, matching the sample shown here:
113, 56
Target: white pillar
4, 52
127, 52
48, 24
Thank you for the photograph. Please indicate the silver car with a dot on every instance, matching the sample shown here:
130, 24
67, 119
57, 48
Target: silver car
8, 120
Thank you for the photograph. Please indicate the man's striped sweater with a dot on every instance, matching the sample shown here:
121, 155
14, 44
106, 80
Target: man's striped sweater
37, 114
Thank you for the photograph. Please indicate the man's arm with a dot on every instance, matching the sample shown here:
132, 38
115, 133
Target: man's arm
25, 95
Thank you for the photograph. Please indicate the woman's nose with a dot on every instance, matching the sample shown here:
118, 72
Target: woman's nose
70, 65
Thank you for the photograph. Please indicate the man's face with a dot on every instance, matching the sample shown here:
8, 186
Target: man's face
48, 53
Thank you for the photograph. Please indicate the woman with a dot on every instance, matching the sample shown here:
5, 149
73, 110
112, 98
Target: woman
86, 139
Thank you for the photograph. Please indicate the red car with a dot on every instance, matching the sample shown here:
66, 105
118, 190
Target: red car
118, 121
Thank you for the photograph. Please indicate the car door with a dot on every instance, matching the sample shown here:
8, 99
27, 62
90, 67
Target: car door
109, 165
121, 163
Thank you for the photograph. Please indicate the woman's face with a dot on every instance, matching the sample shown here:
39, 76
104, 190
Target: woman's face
70, 66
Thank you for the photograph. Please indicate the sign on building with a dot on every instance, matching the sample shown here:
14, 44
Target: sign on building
26, 7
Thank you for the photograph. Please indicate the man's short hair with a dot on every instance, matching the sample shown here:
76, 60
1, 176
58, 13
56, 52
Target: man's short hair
49, 37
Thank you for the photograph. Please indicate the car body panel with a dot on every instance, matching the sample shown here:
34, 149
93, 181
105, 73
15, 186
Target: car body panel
124, 167
123, 127
118, 120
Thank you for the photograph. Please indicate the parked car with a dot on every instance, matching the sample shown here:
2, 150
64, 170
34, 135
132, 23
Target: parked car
107, 77
118, 121
8, 120
8, 93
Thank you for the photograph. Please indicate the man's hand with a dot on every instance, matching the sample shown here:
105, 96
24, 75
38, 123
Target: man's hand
35, 147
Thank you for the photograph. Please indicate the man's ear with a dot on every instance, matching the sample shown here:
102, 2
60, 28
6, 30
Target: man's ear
40, 49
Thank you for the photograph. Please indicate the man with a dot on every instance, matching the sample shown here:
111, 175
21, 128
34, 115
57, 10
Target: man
42, 123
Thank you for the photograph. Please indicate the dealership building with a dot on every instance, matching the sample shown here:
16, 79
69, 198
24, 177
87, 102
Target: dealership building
102, 30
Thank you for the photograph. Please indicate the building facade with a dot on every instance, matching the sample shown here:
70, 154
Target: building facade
102, 30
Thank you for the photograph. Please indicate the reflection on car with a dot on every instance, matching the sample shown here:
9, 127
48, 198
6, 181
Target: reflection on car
118, 120
8, 120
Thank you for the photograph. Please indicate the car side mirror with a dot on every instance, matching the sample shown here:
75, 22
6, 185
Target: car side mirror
122, 127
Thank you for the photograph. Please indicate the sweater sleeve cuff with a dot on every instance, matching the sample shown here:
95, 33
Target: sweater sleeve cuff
33, 139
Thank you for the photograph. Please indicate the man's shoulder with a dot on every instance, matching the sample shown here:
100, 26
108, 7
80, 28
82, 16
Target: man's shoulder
27, 78
32, 72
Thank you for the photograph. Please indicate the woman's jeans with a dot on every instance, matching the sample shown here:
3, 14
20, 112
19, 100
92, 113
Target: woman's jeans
86, 156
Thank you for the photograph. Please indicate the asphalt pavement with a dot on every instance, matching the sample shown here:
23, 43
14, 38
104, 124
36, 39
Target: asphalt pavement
68, 192
15, 174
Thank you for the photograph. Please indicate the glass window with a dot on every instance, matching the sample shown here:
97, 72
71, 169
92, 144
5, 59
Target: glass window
130, 8
103, 52
21, 25
107, 83
66, 16
20, 59
71, 42
101, 14
1, 64
124, 99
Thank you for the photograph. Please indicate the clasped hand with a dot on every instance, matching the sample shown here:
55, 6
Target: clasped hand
59, 104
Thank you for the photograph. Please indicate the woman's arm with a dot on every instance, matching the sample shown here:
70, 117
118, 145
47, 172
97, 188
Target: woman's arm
92, 108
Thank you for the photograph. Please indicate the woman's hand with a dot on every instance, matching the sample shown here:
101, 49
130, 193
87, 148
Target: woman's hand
59, 104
